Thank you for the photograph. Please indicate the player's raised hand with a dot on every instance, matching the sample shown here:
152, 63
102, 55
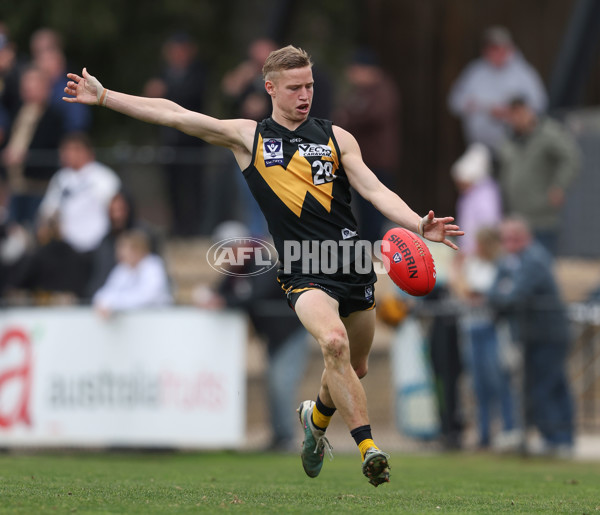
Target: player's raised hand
85, 90
439, 229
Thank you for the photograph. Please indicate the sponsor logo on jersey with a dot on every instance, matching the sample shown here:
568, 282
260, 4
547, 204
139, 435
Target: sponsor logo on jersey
368, 293
347, 234
314, 150
273, 151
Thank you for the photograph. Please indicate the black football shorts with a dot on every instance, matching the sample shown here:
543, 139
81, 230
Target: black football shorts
350, 297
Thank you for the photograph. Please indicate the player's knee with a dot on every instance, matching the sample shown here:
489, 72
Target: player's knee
335, 345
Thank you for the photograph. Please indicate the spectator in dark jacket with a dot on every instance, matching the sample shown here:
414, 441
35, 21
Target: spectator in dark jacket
537, 164
54, 270
183, 80
370, 110
31, 153
9, 82
47, 53
526, 292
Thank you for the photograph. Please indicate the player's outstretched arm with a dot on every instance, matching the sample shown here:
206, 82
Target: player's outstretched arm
86, 89
366, 183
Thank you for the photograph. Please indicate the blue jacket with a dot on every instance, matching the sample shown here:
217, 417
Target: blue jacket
526, 292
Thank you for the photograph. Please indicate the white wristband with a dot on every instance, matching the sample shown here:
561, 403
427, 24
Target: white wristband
421, 226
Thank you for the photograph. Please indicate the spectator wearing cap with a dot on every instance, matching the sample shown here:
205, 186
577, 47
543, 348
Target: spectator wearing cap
479, 201
537, 164
480, 95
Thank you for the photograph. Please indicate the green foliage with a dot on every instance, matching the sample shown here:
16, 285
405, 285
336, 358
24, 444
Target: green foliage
266, 483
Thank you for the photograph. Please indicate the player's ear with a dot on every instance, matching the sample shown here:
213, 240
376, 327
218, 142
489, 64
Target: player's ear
270, 87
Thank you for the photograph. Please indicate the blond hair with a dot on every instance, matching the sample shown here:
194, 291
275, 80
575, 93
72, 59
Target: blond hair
137, 239
286, 58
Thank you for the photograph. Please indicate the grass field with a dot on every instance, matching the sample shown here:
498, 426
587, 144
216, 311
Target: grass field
268, 483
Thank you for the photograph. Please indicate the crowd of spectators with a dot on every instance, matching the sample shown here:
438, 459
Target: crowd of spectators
62, 213
70, 232
511, 184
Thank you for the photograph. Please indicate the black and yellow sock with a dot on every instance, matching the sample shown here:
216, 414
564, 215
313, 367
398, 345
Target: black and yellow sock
321, 415
363, 438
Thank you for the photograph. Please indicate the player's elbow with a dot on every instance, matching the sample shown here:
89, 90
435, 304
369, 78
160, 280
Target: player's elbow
361, 370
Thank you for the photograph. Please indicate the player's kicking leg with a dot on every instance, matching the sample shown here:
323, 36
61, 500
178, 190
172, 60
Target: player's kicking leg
340, 386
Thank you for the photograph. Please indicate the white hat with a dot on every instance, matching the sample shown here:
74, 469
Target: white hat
473, 166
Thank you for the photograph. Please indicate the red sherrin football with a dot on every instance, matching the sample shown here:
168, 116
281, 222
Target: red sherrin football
408, 261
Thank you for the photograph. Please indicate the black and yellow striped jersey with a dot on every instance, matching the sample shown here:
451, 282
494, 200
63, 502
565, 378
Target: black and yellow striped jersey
299, 182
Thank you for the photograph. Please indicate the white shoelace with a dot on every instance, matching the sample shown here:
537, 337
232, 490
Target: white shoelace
324, 443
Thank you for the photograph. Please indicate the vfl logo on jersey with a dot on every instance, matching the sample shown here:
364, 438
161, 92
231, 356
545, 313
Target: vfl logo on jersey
273, 151
368, 293
397, 257
314, 150
347, 234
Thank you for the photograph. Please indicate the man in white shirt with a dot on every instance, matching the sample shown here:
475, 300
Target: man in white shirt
79, 194
481, 93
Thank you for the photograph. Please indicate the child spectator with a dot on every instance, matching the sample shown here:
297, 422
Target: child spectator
139, 280
122, 217
491, 379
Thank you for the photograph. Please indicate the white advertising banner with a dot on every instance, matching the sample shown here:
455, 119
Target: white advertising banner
153, 378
